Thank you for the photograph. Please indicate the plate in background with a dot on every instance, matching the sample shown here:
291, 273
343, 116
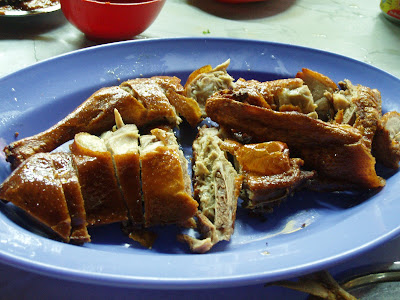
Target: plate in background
29, 13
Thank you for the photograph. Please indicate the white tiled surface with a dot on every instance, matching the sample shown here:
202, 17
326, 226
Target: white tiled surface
354, 28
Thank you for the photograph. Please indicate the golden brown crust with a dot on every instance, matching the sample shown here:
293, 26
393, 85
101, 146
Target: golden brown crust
95, 115
195, 73
168, 203
186, 107
270, 175
269, 90
165, 198
34, 188
65, 172
153, 98
353, 163
317, 81
269, 125
336, 152
128, 169
102, 196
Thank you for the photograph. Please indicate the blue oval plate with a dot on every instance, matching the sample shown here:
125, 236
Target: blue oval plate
309, 232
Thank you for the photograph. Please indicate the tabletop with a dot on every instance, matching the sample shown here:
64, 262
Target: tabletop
355, 28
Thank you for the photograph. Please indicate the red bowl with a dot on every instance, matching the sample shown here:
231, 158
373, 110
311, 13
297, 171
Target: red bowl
111, 20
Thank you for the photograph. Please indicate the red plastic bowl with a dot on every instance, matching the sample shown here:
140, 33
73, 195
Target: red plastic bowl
111, 20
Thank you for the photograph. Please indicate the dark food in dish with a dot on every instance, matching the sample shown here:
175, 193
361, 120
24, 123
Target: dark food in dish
21, 5
335, 134
10, 2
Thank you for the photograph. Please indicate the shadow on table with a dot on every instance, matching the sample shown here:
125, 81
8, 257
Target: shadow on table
243, 11
30, 26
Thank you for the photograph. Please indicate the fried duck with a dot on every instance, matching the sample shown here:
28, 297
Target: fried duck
386, 142
270, 175
340, 151
123, 144
139, 101
35, 188
66, 172
205, 81
103, 200
103, 180
166, 184
216, 187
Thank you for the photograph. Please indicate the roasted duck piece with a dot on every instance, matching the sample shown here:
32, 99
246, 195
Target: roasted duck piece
264, 124
305, 135
166, 185
321, 88
123, 144
216, 187
386, 142
204, 82
270, 175
153, 98
103, 200
184, 106
360, 107
102, 181
281, 95
95, 116
65, 170
25, 186
139, 101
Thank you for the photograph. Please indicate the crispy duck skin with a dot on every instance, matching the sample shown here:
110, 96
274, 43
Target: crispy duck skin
270, 175
103, 199
123, 144
185, 106
35, 188
317, 141
386, 142
353, 165
153, 97
364, 109
261, 193
165, 181
95, 116
140, 101
264, 124
66, 172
